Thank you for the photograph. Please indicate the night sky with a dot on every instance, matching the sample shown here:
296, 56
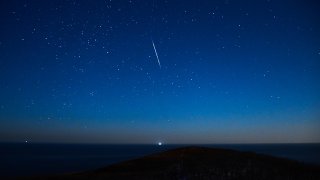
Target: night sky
175, 71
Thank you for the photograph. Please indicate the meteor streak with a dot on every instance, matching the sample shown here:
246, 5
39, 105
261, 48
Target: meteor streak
155, 51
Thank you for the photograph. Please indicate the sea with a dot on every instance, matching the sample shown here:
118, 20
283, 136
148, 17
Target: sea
27, 159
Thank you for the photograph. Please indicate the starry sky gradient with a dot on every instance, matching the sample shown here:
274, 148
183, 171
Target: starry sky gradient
232, 71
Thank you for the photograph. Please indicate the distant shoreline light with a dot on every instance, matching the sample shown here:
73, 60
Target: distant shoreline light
159, 143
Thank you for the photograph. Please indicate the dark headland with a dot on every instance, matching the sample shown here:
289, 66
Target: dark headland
200, 163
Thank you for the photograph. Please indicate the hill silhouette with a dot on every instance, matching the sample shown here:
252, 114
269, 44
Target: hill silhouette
201, 163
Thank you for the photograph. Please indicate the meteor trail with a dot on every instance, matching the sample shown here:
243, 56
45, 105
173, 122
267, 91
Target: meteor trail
155, 51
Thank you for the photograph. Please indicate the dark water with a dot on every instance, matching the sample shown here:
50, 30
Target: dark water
36, 159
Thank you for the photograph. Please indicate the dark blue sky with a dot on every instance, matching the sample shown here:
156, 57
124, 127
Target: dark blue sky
231, 71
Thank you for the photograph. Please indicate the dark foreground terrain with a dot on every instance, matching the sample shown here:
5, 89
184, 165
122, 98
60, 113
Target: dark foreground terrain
201, 163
